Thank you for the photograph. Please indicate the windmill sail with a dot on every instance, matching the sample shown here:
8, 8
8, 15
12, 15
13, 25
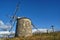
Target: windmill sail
14, 17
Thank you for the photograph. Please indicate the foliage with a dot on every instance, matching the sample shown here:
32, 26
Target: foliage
38, 36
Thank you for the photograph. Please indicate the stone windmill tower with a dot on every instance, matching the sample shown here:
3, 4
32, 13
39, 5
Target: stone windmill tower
23, 25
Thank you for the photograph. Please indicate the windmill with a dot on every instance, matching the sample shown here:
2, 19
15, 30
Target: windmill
52, 28
23, 25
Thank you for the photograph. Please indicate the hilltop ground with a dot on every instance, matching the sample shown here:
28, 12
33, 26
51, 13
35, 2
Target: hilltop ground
43, 36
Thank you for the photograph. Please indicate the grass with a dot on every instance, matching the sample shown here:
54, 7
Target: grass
38, 36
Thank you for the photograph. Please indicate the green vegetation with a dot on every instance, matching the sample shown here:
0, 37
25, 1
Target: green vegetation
38, 36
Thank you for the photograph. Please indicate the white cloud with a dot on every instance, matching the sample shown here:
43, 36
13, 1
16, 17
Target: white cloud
7, 34
4, 26
41, 30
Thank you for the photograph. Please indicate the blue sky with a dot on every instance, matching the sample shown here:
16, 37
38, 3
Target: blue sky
43, 13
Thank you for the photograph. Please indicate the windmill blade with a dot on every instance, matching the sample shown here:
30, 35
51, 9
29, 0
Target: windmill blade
12, 25
14, 17
35, 27
17, 7
12, 22
10, 17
